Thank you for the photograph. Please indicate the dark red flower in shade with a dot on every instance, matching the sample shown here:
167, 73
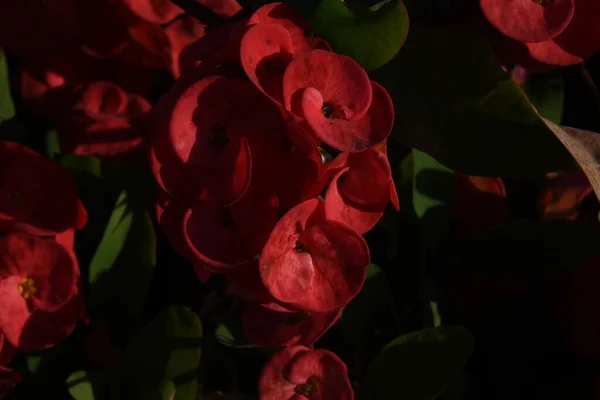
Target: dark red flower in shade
154, 11
287, 17
272, 325
182, 33
148, 46
36, 194
224, 8
7, 351
37, 277
8, 380
298, 372
227, 236
478, 202
245, 283
265, 52
105, 122
313, 264
338, 101
360, 192
529, 20
36, 29
563, 196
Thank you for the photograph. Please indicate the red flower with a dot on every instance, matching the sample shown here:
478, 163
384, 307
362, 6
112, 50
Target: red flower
182, 33
36, 194
299, 372
7, 351
313, 264
154, 11
37, 276
361, 190
271, 325
245, 282
227, 236
105, 122
224, 8
337, 99
563, 196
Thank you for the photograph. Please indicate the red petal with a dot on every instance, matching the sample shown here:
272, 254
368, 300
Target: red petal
272, 328
273, 384
155, 11
182, 33
7, 351
36, 194
350, 135
226, 237
579, 41
14, 312
247, 284
563, 196
285, 16
327, 369
361, 218
224, 8
342, 83
479, 201
265, 52
529, 20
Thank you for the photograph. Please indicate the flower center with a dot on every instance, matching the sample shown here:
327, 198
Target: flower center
218, 138
545, 2
300, 247
327, 110
309, 388
27, 288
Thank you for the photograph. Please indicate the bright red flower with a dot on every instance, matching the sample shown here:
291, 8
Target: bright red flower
313, 264
36, 194
529, 20
8, 380
479, 202
273, 326
298, 372
563, 196
182, 33
36, 276
227, 236
105, 122
360, 192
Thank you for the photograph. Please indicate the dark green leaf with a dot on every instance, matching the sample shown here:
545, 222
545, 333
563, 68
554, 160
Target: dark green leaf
546, 93
168, 348
420, 365
122, 268
455, 103
531, 247
7, 108
432, 183
371, 37
229, 333
370, 308
165, 390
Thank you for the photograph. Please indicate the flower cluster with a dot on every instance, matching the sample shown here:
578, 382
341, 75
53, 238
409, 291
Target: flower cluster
39, 272
238, 142
555, 32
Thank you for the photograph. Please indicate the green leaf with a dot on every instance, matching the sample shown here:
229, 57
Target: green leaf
168, 348
229, 333
546, 93
420, 365
88, 385
165, 390
531, 247
371, 37
433, 183
121, 270
7, 108
358, 318
455, 103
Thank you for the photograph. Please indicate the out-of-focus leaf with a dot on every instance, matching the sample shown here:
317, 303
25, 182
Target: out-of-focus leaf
88, 385
7, 108
546, 93
358, 318
585, 148
432, 183
229, 333
531, 247
167, 349
122, 268
372, 37
455, 103
420, 365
